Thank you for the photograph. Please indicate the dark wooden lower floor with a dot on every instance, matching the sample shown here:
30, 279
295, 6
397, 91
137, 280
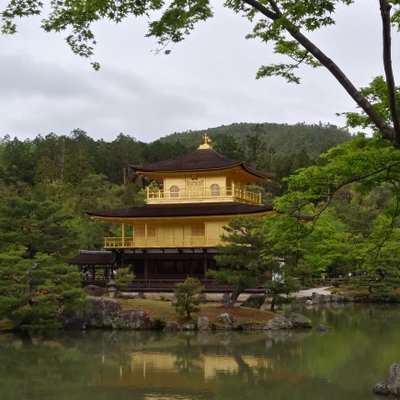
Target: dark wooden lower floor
158, 269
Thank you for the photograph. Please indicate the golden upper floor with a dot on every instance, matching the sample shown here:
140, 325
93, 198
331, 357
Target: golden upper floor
200, 190
201, 176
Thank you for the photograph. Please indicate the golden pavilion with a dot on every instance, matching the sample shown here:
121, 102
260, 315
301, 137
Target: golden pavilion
189, 201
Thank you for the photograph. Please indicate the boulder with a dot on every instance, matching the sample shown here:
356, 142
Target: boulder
278, 323
172, 326
392, 385
320, 298
254, 301
323, 329
227, 320
337, 298
132, 319
99, 313
188, 327
299, 321
382, 388
95, 291
203, 324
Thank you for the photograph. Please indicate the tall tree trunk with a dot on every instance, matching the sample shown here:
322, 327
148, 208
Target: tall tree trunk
273, 303
234, 296
388, 65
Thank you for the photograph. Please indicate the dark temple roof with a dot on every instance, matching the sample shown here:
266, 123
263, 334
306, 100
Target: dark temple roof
93, 258
199, 160
182, 210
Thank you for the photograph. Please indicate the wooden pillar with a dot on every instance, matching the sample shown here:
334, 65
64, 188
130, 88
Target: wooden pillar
145, 266
123, 234
205, 263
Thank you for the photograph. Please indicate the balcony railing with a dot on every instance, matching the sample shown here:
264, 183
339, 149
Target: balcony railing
203, 194
138, 242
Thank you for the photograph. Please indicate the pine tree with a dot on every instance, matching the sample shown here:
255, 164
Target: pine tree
187, 297
37, 294
242, 259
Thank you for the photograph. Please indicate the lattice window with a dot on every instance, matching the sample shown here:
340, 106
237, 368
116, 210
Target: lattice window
215, 189
140, 231
174, 191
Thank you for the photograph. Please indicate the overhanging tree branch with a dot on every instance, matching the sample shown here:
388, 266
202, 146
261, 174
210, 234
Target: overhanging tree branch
263, 10
386, 130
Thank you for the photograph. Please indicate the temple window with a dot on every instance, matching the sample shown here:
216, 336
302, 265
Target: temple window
215, 190
174, 191
140, 231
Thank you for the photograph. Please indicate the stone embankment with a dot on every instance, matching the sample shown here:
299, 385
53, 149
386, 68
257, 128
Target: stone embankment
103, 313
106, 313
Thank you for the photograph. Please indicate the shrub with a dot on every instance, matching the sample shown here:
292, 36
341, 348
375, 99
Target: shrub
187, 298
124, 277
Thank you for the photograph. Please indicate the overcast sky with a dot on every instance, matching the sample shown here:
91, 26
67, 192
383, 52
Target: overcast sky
207, 81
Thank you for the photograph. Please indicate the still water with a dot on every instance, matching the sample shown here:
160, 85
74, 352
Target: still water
343, 364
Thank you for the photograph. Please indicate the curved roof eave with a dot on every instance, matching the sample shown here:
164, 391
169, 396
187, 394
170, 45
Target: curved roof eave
191, 210
260, 175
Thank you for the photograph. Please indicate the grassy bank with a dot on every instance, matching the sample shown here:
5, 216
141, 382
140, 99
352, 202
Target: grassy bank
164, 311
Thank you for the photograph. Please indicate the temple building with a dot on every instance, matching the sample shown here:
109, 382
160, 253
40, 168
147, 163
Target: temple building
189, 201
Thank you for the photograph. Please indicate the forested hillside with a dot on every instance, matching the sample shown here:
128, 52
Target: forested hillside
281, 139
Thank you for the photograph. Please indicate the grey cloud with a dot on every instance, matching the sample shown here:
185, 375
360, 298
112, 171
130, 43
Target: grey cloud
21, 75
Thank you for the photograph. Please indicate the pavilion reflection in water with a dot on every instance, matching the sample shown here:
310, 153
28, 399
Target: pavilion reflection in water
179, 372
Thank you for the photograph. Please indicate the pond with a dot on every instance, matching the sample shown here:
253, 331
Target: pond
342, 364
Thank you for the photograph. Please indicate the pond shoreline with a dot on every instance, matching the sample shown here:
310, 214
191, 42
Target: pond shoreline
132, 312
